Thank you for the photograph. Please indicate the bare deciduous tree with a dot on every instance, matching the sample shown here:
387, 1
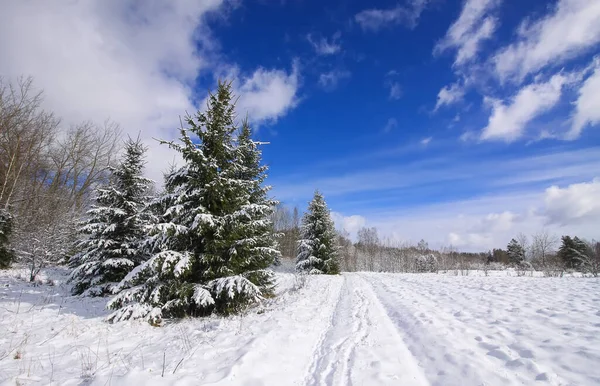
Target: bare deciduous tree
543, 244
82, 157
46, 174
368, 244
523, 242
26, 134
288, 225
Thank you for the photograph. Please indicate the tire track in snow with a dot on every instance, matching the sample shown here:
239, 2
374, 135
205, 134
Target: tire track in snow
361, 346
331, 361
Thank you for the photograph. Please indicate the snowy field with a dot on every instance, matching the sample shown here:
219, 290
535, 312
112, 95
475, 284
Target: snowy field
353, 329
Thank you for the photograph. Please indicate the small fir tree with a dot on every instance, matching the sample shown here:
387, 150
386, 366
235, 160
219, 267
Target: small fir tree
6, 254
515, 251
115, 227
317, 250
213, 244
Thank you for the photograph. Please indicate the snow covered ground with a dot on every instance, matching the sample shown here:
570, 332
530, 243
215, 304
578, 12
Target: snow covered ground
353, 329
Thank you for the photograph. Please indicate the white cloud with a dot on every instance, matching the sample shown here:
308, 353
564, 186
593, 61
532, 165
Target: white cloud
469, 241
474, 224
470, 45
390, 82
350, 224
587, 106
449, 95
573, 204
267, 95
498, 222
570, 30
330, 80
391, 124
99, 60
507, 122
133, 62
376, 19
323, 46
395, 90
469, 30
425, 141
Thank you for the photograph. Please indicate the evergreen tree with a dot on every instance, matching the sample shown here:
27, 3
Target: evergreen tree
115, 227
213, 244
6, 254
317, 250
515, 251
574, 252
566, 252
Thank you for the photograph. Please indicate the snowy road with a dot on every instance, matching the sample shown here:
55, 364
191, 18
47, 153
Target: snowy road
353, 329
362, 345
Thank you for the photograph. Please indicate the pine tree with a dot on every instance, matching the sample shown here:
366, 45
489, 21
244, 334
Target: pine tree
574, 252
6, 254
214, 243
115, 227
567, 252
515, 251
317, 250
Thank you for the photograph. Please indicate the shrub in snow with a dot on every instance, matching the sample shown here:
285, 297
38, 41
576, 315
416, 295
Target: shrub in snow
115, 228
523, 267
426, 263
318, 250
6, 254
213, 243
47, 243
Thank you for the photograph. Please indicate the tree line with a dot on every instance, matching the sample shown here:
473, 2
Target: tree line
573, 253
542, 252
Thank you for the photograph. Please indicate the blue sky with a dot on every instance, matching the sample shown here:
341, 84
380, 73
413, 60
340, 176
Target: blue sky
460, 122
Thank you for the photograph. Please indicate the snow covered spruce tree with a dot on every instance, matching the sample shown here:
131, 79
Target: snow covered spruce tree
317, 250
214, 242
115, 228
